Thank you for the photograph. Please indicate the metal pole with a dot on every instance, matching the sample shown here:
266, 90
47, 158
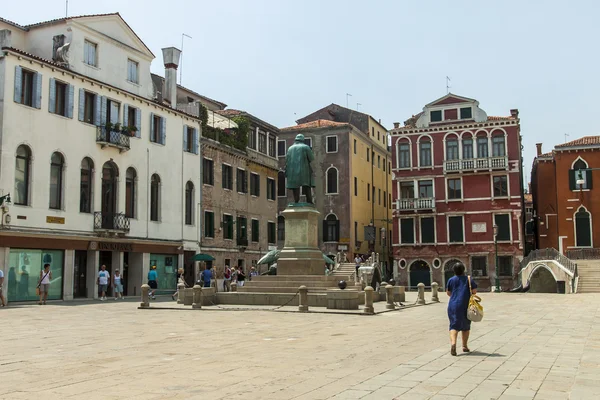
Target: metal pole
497, 271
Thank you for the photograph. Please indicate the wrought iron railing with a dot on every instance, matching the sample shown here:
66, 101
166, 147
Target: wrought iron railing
243, 242
475, 164
584, 254
111, 221
550, 254
416, 204
112, 138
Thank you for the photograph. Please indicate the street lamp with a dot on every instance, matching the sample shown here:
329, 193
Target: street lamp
496, 247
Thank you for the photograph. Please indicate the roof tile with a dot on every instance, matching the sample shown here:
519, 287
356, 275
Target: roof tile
584, 141
320, 123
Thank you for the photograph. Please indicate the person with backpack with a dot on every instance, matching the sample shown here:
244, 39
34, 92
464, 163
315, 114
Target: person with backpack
227, 279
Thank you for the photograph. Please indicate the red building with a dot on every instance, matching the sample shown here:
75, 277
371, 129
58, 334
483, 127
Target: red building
457, 180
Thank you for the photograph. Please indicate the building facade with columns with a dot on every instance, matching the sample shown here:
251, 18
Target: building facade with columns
458, 194
99, 171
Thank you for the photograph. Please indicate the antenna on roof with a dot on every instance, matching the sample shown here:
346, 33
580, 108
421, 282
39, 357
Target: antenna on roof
358, 104
566, 136
447, 84
181, 61
347, 95
66, 8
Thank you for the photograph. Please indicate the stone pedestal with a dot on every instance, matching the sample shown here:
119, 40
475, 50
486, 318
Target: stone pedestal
188, 296
342, 299
300, 254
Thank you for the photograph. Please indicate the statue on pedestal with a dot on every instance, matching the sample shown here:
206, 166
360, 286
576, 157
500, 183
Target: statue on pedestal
298, 170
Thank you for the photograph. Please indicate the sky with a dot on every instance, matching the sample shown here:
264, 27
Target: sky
281, 59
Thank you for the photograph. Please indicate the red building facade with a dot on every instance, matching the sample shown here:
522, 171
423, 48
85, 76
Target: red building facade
457, 179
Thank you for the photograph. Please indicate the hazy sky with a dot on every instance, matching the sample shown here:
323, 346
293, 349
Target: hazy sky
282, 59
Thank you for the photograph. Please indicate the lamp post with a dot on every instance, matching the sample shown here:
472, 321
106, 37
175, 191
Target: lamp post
496, 250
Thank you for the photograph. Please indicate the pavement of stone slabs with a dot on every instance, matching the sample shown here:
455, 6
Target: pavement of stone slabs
529, 346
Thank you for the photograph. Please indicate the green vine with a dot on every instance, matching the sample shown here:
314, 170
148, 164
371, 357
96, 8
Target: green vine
235, 137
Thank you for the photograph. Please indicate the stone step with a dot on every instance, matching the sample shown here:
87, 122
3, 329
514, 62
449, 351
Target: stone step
296, 278
291, 290
295, 284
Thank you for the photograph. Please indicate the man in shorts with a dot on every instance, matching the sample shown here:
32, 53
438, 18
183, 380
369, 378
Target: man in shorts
153, 281
1, 293
103, 277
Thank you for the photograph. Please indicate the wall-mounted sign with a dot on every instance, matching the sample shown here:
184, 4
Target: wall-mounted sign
479, 227
55, 220
111, 246
342, 247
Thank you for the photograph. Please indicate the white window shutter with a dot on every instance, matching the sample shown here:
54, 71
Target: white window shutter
37, 90
185, 140
97, 110
52, 98
125, 115
70, 101
163, 130
195, 140
138, 122
102, 110
18, 84
81, 104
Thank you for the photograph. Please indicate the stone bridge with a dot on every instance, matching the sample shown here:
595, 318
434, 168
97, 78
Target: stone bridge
543, 276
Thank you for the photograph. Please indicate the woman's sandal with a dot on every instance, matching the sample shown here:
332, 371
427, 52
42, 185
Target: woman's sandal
453, 349
466, 349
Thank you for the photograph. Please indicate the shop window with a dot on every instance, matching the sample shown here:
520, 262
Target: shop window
166, 268
23, 274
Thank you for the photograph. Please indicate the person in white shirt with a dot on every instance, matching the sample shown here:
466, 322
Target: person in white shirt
118, 285
44, 283
357, 262
103, 277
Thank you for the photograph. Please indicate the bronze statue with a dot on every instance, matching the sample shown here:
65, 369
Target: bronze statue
298, 170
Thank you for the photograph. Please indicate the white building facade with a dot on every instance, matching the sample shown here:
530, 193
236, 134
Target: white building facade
98, 171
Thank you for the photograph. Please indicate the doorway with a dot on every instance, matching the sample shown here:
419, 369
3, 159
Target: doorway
420, 273
188, 267
109, 197
80, 274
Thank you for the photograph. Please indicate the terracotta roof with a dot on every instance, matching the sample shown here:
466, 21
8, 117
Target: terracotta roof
584, 141
57, 20
546, 155
13, 23
320, 123
230, 112
493, 118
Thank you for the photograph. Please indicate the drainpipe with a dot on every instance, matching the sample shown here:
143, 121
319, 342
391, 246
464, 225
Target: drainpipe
373, 197
148, 193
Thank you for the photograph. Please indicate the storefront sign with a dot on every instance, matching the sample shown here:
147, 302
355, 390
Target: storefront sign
342, 247
111, 246
55, 220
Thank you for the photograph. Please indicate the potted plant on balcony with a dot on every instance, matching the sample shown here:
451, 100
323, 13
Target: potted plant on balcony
129, 130
117, 127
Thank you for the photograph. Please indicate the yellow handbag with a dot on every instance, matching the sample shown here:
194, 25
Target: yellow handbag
475, 309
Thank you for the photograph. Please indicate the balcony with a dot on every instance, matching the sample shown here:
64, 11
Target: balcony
242, 242
476, 164
116, 222
416, 204
106, 136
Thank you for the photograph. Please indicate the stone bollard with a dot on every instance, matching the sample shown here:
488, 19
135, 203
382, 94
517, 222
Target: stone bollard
145, 296
180, 294
303, 301
389, 294
421, 293
368, 309
234, 287
197, 297
434, 292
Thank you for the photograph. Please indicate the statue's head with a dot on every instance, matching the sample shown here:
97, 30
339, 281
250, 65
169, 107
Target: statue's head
299, 138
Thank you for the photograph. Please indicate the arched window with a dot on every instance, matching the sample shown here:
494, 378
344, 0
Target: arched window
332, 180
189, 203
583, 228
403, 158
22, 175
130, 188
425, 152
498, 147
85, 185
467, 147
56, 180
331, 229
281, 184
154, 197
452, 148
579, 179
482, 146
280, 228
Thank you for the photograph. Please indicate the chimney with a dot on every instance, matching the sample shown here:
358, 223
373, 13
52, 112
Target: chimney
514, 113
171, 60
539, 148
5, 38
396, 125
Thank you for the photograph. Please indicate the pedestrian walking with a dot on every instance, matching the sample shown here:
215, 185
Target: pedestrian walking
253, 272
153, 281
241, 277
118, 285
2, 299
458, 291
227, 279
103, 279
206, 276
180, 281
44, 284
357, 261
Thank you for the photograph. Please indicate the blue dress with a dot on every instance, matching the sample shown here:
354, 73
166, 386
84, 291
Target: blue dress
459, 302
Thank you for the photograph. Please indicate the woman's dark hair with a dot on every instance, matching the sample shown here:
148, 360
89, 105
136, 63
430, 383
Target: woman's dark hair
459, 269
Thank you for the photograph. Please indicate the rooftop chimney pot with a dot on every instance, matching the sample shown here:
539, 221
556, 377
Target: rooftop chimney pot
171, 60
539, 148
396, 125
514, 113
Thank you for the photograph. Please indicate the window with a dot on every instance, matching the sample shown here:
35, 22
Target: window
356, 233
450, 114
209, 224
389, 200
428, 230
227, 226
384, 199
482, 147
500, 186
332, 180
227, 176
425, 157
89, 53
89, 107
455, 227
154, 197
583, 228
378, 161
208, 173
189, 203
132, 119
384, 166
368, 191
454, 189
112, 111
498, 149
355, 186
28, 87
479, 266
272, 146
373, 194
407, 190
130, 183
262, 142
368, 154
467, 145
61, 99
389, 167
242, 181
281, 190
157, 129
505, 267
255, 230
373, 131
407, 230
581, 172
426, 189
436, 116
373, 157
271, 232
242, 230
308, 142
502, 221
22, 176
190, 139
354, 146
280, 228
379, 196
452, 149
132, 71
255, 184
331, 229
252, 139
466, 113
271, 189
378, 135
85, 186
332, 144
404, 155
281, 150
56, 180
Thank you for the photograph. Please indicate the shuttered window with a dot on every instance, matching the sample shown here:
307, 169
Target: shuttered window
407, 230
428, 230
455, 227
158, 129
28, 87
209, 224
61, 98
502, 221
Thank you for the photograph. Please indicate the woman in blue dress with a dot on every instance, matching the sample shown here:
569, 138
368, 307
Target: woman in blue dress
458, 290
